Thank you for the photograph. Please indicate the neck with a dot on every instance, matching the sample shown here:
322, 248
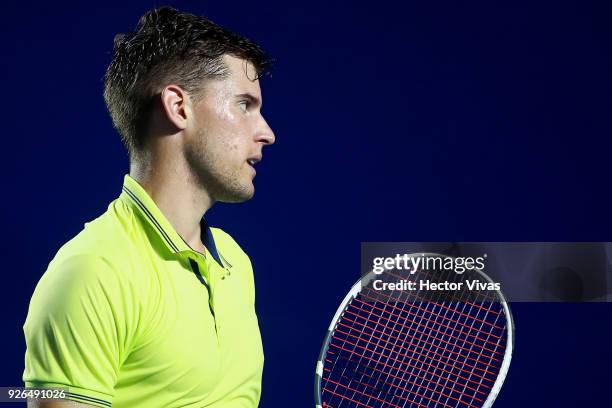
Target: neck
174, 190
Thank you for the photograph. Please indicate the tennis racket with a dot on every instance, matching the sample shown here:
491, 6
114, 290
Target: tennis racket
416, 348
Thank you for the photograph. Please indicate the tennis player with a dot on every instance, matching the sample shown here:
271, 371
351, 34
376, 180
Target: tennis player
148, 306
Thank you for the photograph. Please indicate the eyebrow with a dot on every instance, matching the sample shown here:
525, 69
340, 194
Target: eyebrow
252, 98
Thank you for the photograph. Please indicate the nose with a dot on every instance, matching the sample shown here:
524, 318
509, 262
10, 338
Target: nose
265, 134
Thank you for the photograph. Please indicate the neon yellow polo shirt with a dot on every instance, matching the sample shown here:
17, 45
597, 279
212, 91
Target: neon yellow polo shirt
128, 315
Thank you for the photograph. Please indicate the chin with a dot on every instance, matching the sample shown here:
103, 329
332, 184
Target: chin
238, 196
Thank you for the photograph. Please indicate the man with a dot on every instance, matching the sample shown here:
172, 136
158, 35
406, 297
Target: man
148, 306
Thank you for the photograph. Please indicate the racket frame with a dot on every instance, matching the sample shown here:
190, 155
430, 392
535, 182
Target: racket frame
363, 281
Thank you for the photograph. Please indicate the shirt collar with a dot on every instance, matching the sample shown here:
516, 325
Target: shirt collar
134, 195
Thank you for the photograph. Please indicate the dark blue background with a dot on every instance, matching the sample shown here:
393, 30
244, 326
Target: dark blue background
442, 122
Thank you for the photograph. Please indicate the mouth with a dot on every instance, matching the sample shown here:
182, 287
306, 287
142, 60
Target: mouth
252, 161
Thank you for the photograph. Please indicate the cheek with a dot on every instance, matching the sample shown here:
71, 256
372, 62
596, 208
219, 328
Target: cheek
228, 145
232, 138
219, 140
227, 151
223, 134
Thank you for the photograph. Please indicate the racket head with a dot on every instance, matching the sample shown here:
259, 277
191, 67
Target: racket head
500, 369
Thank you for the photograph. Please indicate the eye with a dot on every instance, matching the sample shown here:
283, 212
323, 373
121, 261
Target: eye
244, 105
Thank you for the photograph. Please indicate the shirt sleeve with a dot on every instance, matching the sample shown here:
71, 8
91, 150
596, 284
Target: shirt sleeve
76, 329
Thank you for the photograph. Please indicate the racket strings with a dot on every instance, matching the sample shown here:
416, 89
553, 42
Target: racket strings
456, 330
462, 390
397, 387
361, 350
412, 336
437, 314
404, 347
376, 360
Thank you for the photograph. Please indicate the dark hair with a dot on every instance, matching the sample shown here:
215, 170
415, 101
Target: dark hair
168, 46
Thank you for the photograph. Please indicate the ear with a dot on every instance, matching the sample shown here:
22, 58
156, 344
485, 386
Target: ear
176, 105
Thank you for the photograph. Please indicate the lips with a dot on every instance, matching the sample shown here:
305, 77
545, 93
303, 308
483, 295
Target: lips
252, 161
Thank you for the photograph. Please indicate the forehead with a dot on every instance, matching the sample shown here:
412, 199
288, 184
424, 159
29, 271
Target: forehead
242, 75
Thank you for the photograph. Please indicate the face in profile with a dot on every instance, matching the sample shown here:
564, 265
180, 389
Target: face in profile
229, 133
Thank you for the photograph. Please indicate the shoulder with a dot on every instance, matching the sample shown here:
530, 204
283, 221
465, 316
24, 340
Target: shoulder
103, 247
75, 280
104, 235
96, 260
88, 284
